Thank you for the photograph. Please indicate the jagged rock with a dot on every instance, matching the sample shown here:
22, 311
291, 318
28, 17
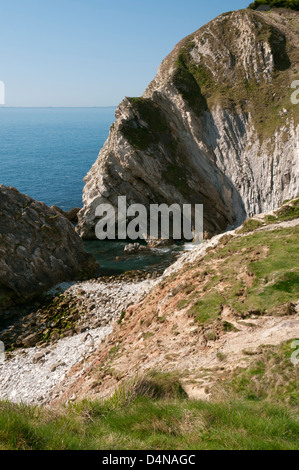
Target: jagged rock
38, 248
132, 248
159, 243
208, 129
71, 215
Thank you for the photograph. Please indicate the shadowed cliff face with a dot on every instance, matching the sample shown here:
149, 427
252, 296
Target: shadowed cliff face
215, 127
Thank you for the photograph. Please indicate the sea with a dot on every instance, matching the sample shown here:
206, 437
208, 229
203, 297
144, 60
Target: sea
46, 152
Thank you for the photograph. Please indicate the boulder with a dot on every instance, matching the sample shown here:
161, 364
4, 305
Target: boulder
31, 340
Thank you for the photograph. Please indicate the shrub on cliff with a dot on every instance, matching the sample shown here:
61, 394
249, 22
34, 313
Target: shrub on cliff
293, 4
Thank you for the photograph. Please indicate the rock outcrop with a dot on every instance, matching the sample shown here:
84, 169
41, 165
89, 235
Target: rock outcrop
71, 215
38, 248
215, 127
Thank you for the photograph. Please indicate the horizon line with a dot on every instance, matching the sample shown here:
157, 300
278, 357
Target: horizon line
57, 107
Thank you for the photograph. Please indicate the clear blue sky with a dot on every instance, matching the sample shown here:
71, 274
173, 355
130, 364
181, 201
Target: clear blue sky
92, 52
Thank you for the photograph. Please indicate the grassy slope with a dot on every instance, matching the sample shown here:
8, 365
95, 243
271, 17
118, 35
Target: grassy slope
253, 274
152, 413
252, 408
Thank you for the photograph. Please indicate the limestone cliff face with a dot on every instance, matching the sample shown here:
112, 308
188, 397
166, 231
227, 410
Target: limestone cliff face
216, 126
38, 248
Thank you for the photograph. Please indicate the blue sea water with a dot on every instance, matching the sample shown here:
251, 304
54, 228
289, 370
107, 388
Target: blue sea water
46, 152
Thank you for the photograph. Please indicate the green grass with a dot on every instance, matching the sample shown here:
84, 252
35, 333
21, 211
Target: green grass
271, 377
122, 316
250, 225
150, 424
207, 309
153, 412
287, 212
292, 4
270, 259
182, 304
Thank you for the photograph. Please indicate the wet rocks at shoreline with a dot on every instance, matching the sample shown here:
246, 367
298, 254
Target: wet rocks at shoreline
133, 248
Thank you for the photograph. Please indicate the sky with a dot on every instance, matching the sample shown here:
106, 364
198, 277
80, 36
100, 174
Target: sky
92, 52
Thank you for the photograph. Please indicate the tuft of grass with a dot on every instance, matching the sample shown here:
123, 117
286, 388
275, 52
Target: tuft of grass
147, 335
182, 304
250, 225
222, 357
227, 327
208, 308
122, 316
157, 385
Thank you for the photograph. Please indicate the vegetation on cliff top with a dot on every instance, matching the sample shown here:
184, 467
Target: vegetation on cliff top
292, 4
203, 86
189, 79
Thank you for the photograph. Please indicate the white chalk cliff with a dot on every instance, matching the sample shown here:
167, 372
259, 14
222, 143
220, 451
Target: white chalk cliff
216, 125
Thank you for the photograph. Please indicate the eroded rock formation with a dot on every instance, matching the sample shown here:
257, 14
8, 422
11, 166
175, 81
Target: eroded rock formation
216, 126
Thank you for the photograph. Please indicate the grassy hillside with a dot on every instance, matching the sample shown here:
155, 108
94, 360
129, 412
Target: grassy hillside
153, 413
